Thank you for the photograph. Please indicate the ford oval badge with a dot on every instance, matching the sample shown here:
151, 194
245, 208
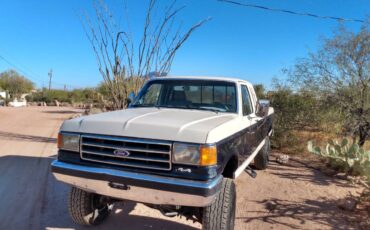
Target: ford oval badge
121, 153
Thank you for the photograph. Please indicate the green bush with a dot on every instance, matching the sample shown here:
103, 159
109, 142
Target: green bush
74, 96
293, 111
299, 116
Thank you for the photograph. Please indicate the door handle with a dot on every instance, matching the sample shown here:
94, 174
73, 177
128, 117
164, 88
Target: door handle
251, 131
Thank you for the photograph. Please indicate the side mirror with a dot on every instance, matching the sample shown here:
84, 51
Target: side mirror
263, 108
131, 98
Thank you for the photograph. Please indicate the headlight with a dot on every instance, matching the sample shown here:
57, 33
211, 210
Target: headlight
203, 155
69, 142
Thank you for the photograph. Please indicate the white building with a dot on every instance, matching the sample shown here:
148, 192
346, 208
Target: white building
2, 98
3, 94
16, 103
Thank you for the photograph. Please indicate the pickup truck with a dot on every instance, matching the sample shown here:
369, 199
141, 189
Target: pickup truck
177, 148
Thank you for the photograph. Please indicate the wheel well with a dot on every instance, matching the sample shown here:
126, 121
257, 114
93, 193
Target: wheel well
230, 167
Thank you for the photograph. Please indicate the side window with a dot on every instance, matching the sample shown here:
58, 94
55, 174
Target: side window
253, 97
246, 101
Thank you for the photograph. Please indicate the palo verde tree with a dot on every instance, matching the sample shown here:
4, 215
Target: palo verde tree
121, 60
339, 73
15, 83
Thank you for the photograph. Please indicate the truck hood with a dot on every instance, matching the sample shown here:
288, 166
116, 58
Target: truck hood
151, 123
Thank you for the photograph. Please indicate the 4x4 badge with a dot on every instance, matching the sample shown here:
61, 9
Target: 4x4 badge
184, 170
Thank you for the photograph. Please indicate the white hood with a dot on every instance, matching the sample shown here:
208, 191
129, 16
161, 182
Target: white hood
151, 123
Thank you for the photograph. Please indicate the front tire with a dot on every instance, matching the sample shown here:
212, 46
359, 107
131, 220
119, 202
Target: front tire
221, 214
262, 159
86, 208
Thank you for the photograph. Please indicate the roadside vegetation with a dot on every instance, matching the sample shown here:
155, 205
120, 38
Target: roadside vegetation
322, 107
15, 85
328, 92
85, 96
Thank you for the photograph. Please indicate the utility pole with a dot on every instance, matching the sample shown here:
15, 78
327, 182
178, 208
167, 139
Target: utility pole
6, 97
50, 76
65, 87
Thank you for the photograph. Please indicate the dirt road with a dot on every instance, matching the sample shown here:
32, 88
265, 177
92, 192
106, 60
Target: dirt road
281, 197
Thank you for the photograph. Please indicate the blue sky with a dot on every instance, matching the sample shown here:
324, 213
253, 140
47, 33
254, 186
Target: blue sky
238, 42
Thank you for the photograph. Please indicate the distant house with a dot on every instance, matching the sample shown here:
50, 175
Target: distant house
2, 94
2, 98
18, 103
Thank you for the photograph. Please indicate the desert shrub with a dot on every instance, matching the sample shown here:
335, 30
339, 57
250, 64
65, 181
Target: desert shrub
339, 70
49, 96
300, 116
86, 95
75, 96
293, 111
260, 91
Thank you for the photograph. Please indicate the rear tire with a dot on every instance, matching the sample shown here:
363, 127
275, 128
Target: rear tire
262, 159
86, 208
221, 214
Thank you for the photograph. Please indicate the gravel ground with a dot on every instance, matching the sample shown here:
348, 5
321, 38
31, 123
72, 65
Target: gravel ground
282, 197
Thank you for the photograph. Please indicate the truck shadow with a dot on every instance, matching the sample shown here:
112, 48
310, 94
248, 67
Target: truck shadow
32, 199
64, 111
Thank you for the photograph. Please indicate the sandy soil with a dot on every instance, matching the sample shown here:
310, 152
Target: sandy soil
282, 197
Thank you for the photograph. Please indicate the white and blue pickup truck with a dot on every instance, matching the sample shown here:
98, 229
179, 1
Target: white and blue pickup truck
177, 148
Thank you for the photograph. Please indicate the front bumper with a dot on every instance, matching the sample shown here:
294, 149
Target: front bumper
142, 188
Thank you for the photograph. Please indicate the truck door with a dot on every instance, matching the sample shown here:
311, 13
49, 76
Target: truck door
260, 133
251, 132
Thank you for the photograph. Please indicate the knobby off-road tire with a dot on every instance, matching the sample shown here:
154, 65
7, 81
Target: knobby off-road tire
87, 208
262, 159
221, 214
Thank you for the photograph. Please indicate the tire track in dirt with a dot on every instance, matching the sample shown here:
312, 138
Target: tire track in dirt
24, 154
42, 201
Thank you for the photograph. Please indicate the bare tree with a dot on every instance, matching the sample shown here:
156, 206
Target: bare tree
124, 64
339, 72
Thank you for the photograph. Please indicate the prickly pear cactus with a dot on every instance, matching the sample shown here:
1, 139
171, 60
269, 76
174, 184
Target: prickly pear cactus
350, 156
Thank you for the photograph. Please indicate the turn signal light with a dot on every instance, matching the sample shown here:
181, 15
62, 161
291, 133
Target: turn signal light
60, 140
208, 155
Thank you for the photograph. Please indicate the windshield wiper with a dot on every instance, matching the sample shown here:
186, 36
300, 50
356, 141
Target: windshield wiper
138, 105
188, 107
171, 106
208, 109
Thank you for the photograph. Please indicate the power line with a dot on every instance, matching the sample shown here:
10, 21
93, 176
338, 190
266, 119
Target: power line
50, 76
24, 68
19, 69
32, 77
293, 12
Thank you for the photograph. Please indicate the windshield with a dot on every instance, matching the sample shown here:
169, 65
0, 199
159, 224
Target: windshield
216, 96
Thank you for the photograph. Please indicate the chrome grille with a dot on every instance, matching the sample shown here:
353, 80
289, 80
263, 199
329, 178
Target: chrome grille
145, 154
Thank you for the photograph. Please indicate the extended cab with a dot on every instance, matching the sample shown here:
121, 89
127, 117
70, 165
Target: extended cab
177, 148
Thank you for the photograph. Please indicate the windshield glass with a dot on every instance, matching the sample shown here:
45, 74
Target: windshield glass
216, 96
